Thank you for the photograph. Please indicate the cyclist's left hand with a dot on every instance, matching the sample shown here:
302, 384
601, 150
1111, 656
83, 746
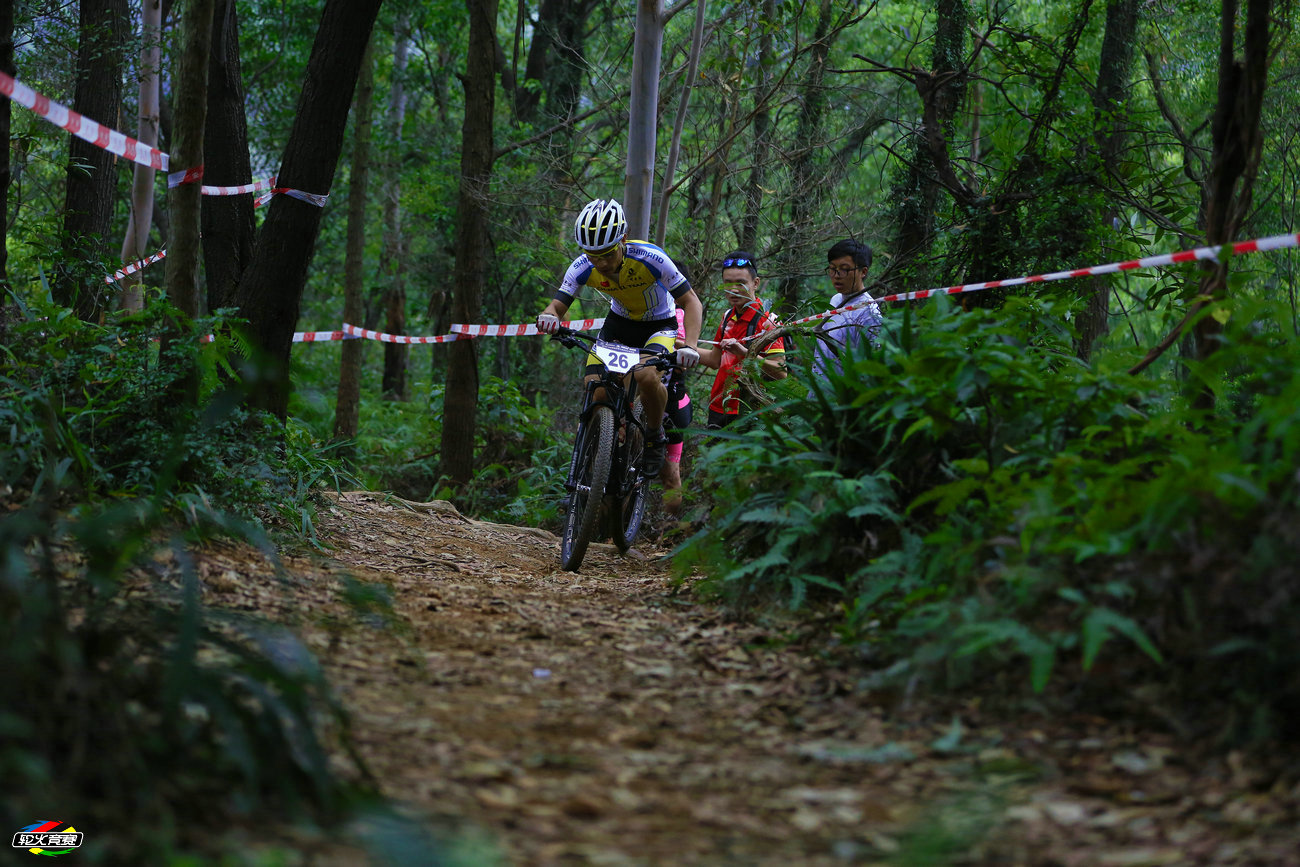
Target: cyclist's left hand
688, 357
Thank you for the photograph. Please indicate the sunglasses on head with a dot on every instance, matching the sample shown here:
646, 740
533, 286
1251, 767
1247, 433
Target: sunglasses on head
739, 263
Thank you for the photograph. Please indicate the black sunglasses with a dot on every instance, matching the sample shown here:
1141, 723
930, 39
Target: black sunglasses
739, 263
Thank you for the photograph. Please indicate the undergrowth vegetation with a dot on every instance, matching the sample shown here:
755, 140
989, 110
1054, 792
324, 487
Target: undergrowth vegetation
148, 716
971, 494
520, 457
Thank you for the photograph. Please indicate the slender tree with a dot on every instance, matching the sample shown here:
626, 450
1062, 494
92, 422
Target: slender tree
270, 293
191, 90
6, 172
229, 227
804, 185
1114, 72
679, 124
767, 22
91, 176
643, 116
140, 219
916, 193
393, 265
473, 242
348, 402
1237, 145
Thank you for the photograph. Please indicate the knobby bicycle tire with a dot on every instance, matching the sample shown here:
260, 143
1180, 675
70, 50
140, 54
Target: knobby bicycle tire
627, 512
596, 444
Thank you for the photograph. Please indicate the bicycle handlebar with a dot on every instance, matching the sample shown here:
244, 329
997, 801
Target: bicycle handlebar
573, 339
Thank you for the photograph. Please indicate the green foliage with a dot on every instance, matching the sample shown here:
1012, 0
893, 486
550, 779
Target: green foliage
970, 492
522, 460
116, 704
108, 397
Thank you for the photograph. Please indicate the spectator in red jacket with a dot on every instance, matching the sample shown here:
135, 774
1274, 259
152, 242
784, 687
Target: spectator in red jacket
743, 320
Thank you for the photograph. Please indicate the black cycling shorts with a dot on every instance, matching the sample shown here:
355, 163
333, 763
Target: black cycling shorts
655, 335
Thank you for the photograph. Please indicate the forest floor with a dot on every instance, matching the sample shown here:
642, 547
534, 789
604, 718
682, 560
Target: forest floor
609, 718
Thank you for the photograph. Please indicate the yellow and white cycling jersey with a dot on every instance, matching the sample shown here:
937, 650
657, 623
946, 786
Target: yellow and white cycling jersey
648, 281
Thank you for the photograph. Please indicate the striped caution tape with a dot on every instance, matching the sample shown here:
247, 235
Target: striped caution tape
311, 198
466, 332
255, 186
318, 336
82, 127
134, 266
354, 331
1259, 245
128, 148
521, 329
189, 176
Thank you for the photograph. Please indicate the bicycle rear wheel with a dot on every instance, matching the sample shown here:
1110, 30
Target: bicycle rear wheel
595, 450
629, 510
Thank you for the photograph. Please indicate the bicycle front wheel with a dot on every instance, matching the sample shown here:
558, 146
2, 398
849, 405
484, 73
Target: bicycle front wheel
595, 451
628, 510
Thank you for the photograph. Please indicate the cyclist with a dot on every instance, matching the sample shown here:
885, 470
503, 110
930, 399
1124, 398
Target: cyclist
645, 288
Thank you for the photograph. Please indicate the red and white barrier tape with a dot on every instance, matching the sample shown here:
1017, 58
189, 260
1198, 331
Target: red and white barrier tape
124, 146
1259, 245
354, 331
309, 198
319, 336
135, 266
189, 176
255, 186
522, 329
82, 127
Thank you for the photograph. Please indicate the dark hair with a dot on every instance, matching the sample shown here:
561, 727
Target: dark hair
860, 252
751, 264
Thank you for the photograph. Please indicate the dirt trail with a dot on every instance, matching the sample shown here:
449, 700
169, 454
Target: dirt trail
604, 719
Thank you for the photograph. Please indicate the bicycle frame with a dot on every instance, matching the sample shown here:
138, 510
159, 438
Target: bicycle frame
621, 489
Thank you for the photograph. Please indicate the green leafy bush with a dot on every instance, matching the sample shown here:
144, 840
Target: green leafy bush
970, 492
114, 706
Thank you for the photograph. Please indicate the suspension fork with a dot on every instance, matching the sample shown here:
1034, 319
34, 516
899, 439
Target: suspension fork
589, 405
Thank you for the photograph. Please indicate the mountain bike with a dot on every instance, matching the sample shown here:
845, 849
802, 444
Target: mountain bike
606, 486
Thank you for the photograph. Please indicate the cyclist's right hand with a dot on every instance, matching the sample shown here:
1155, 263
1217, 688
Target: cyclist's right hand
548, 323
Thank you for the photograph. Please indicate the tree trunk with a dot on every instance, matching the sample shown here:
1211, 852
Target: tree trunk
804, 185
135, 245
1234, 162
92, 177
1113, 75
1237, 145
270, 293
6, 172
473, 242
348, 403
229, 227
643, 116
396, 355
916, 195
190, 87
762, 131
674, 150
191, 98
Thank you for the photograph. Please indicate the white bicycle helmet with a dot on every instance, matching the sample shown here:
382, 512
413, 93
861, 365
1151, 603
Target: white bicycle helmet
600, 225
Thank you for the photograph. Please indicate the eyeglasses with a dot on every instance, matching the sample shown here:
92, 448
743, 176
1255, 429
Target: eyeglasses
605, 253
840, 272
739, 263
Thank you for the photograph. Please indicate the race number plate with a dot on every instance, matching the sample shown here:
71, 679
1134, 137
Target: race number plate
617, 357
